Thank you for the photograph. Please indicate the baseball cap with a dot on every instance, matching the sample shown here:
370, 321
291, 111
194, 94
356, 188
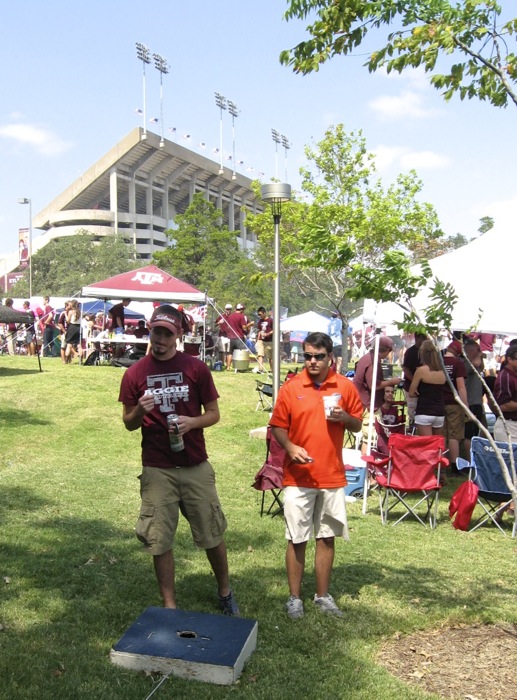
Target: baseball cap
239, 307
456, 347
385, 342
166, 317
228, 306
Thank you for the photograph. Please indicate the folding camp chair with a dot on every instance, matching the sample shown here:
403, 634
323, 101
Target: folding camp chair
270, 476
412, 468
265, 392
485, 472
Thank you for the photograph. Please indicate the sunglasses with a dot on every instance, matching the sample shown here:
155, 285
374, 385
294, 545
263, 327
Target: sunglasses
319, 356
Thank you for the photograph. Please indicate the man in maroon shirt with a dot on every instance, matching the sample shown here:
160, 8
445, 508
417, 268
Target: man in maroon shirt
409, 366
505, 393
164, 383
237, 328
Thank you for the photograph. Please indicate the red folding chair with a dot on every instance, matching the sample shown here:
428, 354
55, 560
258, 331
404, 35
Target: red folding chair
270, 476
410, 477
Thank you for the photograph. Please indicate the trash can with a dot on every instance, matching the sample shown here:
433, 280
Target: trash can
241, 360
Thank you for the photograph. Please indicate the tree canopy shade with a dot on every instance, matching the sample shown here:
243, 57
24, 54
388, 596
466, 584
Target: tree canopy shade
425, 32
66, 264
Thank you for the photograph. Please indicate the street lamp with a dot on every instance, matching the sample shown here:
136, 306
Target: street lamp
161, 64
26, 200
234, 111
220, 101
143, 54
276, 194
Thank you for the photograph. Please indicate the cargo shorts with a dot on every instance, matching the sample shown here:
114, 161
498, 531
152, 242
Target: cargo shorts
166, 492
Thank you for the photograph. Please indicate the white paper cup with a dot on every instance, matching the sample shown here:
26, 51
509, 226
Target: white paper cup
329, 402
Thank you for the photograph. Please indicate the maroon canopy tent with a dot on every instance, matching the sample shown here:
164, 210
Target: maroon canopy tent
145, 284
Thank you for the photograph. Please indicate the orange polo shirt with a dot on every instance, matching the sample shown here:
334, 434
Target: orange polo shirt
299, 410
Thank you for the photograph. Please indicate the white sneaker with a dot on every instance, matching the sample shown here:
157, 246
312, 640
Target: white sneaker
327, 604
294, 607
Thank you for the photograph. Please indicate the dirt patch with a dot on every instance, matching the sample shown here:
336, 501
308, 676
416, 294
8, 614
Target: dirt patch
476, 662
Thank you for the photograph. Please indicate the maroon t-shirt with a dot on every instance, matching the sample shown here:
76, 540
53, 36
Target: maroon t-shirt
236, 327
265, 326
455, 368
505, 390
181, 385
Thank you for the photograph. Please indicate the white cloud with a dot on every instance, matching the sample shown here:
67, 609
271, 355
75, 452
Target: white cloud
407, 105
424, 160
403, 157
43, 141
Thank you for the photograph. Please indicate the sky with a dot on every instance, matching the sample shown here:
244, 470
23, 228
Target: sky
72, 85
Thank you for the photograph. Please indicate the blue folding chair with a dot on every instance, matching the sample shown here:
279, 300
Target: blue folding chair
485, 472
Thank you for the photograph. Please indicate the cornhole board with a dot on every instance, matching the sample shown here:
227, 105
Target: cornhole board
208, 648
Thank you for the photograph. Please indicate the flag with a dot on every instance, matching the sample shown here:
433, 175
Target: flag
198, 313
154, 120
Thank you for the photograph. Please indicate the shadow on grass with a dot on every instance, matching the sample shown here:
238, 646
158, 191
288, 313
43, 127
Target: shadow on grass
76, 584
20, 417
13, 371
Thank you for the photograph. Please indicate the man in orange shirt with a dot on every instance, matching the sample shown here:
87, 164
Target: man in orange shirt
314, 474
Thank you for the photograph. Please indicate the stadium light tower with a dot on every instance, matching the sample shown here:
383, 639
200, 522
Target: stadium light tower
143, 54
220, 101
287, 146
234, 111
27, 200
161, 65
276, 194
276, 138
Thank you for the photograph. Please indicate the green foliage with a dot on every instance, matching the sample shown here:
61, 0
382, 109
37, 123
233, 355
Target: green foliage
486, 223
431, 30
205, 253
351, 220
67, 264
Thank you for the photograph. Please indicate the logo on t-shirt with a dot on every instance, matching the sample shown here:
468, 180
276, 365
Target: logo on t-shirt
167, 390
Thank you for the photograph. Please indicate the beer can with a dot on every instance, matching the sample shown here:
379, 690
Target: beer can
175, 440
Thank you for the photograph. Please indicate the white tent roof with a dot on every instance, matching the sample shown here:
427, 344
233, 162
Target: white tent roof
310, 322
482, 274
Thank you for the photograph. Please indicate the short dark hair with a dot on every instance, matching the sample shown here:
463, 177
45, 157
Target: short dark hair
261, 309
318, 340
511, 353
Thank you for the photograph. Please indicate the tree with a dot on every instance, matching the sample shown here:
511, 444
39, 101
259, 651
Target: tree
431, 30
486, 223
351, 220
205, 253
67, 264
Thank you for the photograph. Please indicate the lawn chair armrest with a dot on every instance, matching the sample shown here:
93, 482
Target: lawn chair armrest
370, 459
462, 464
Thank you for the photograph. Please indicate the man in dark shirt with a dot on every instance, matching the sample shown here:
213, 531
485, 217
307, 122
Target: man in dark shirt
505, 393
454, 426
409, 365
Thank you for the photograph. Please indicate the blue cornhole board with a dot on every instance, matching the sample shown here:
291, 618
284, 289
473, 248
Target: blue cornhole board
198, 646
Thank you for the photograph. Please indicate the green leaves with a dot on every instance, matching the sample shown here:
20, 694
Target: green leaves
469, 29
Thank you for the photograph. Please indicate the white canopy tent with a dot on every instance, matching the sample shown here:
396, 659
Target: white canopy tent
482, 274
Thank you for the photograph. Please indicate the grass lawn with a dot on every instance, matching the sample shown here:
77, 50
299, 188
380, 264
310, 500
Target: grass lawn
73, 577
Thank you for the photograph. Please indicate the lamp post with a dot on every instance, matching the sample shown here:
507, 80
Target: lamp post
234, 111
26, 200
276, 194
143, 54
161, 65
220, 101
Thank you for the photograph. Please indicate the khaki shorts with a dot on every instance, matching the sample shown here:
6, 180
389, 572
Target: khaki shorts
165, 492
264, 349
314, 513
366, 423
454, 425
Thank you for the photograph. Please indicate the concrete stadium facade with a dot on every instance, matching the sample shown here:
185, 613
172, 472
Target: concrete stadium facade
138, 188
